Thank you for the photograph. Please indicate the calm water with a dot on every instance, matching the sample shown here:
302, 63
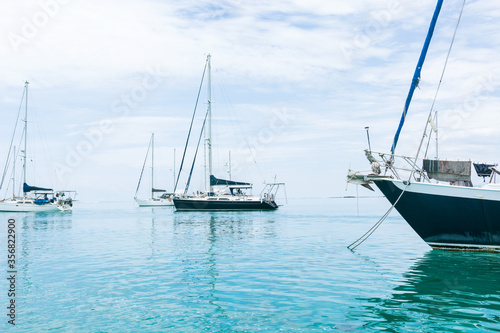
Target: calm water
114, 267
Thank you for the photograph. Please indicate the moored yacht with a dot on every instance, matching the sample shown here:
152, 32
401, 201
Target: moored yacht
33, 198
165, 199
231, 195
436, 196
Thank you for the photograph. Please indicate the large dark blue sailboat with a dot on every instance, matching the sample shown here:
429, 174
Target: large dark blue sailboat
233, 198
230, 195
448, 214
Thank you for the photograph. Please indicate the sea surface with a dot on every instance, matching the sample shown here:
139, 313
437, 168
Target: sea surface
115, 267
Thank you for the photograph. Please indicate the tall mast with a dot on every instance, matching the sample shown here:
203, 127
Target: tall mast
416, 75
25, 134
209, 139
14, 175
437, 137
152, 164
174, 168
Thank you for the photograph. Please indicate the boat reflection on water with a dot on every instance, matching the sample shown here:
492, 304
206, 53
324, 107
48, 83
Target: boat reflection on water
444, 291
32, 222
209, 256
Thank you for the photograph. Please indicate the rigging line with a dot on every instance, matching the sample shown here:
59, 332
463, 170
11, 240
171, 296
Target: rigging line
18, 151
284, 190
416, 76
191, 126
430, 137
38, 125
196, 153
143, 166
428, 144
440, 80
12, 139
375, 227
238, 123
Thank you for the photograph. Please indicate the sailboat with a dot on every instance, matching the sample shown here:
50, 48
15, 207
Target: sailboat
166, 198
222, 194
33, 198
447, 214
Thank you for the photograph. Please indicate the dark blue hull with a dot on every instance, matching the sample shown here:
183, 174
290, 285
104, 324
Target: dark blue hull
448, 221
207, 205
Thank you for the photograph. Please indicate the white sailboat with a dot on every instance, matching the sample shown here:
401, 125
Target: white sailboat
166, 198
33, 198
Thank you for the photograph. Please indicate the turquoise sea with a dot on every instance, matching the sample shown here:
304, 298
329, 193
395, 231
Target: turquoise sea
115, 267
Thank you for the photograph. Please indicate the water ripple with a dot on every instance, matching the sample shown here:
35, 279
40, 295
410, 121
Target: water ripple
118, 268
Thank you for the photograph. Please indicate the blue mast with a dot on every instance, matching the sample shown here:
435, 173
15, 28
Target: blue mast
416, 76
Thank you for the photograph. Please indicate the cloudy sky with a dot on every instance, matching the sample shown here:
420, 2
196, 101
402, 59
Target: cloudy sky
294, 84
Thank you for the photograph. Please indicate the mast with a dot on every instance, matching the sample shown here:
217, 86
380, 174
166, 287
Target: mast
25, 135
190, 128
14, 174
143, 167
174, 168
437, 137
416, 75
152, 164
209, 139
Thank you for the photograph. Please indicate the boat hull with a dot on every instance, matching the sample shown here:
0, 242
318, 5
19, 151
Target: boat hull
154, 202
448, 217
214, 204
15, 206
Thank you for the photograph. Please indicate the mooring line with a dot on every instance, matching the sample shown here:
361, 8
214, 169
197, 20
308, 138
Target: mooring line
370, 231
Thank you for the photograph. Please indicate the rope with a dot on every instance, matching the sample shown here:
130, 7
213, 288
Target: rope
196, 153
367, 234
143, 166
440, 81
236, 125
7, 161
191, 126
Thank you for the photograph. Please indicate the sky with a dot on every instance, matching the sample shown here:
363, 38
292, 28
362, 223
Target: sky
294, 84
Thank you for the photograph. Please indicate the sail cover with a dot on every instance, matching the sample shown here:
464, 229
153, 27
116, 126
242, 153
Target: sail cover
157, 190
27, 188
218, 182
448, 171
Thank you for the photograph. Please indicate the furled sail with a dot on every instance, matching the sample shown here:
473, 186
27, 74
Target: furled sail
27, 188
223, 182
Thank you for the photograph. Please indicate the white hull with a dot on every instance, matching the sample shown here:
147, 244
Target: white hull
22, 206
488, 192
154, 202
34, 198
